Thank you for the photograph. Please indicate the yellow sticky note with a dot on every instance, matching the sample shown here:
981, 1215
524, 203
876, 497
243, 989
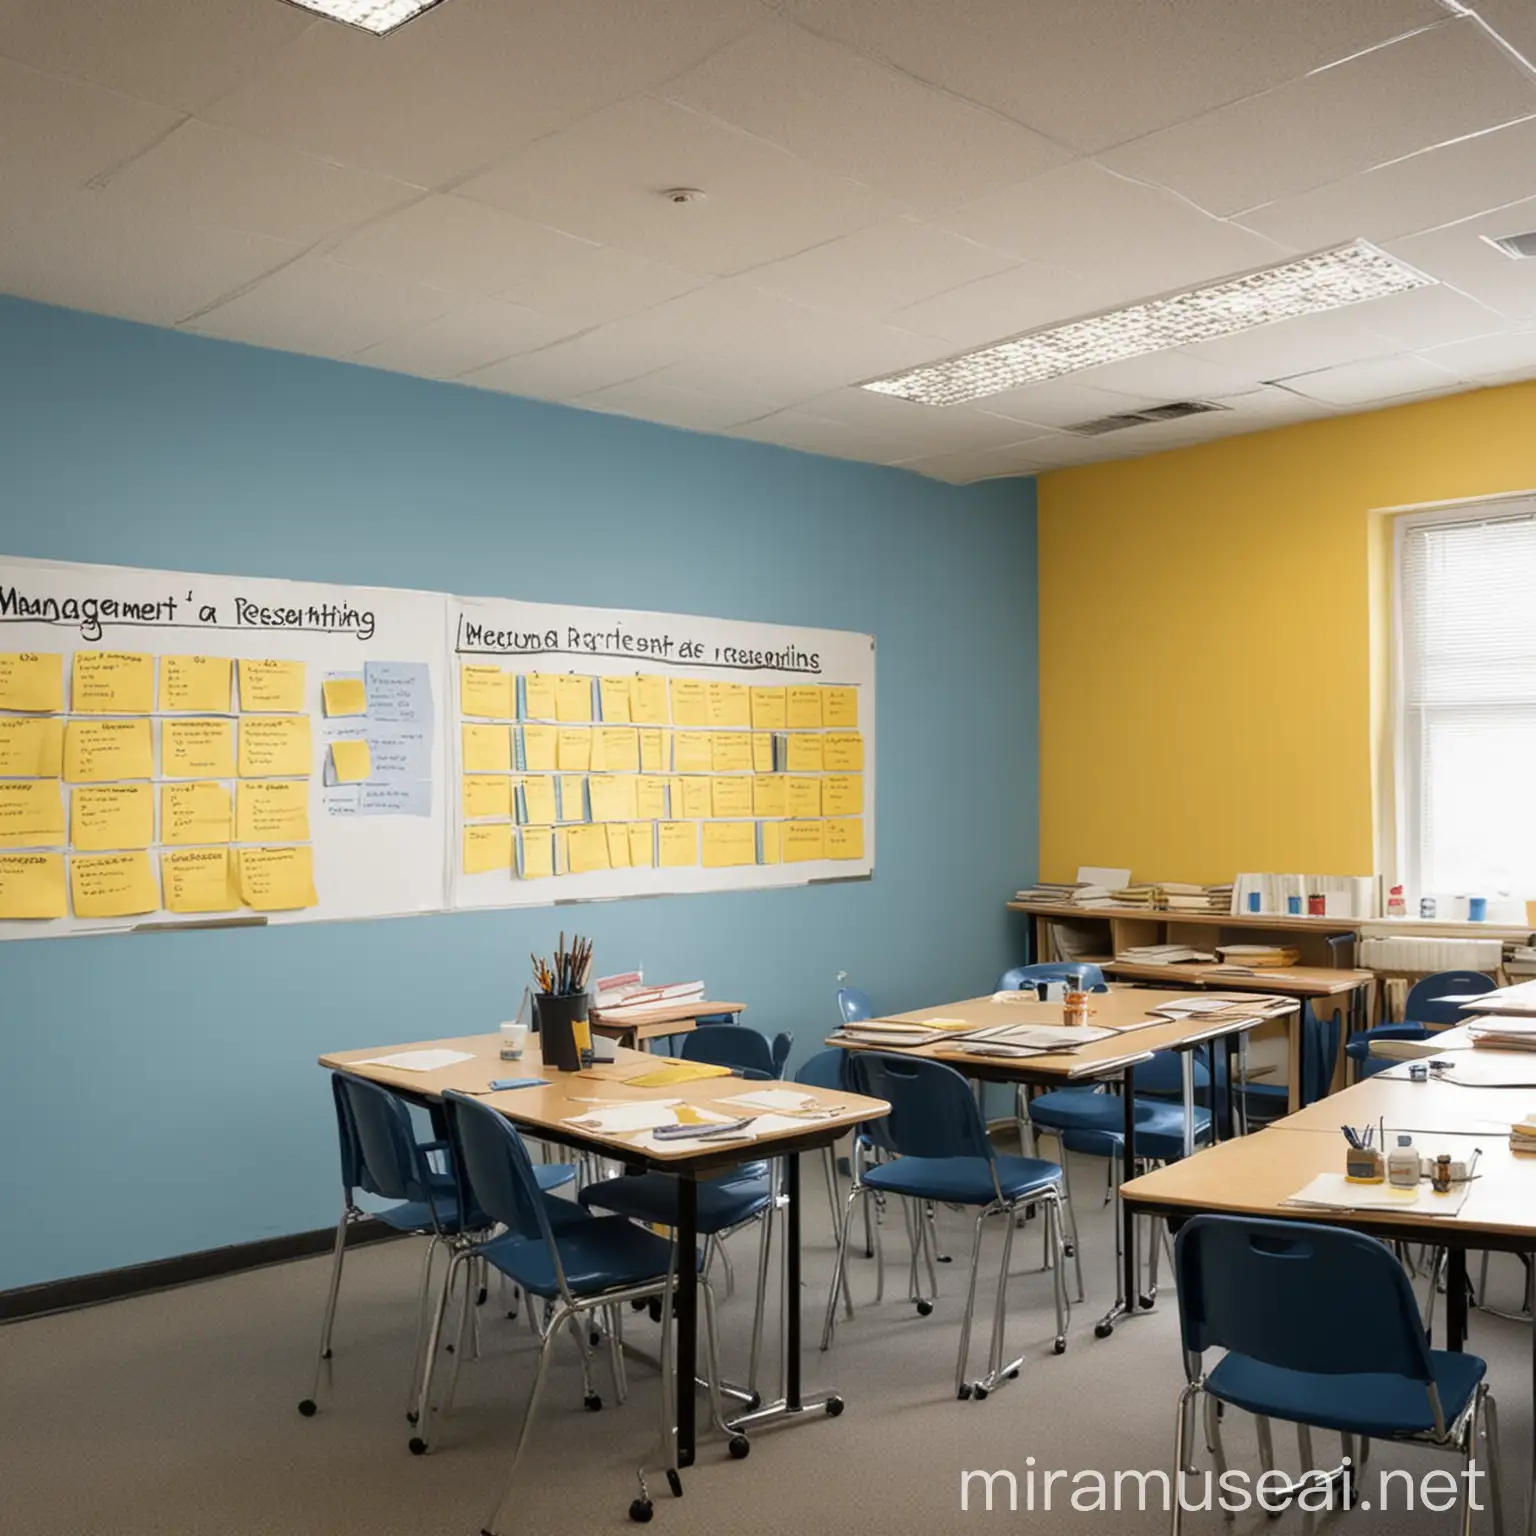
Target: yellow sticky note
802, 841
648, 700
588, 849
274, 810
486, 748
620, 748
276, 686
770, 848
698, 800
692, 751
486, 794
618, 846
802, 797
487, 846
729, 703
803, 753
612, 797
197, 749
613, 695
802, 707
770, 795
32, 814
573, 797
486, 692
844, 837
198, 812
196, 684
651, 797
730, 751
108, 749
729, 842
113, 885
762, 751
32, 885
690, 702
642, 844
539, 696
538, 853
539, 800
541, 748
654, 746
277, 879
573, 697
113, 683
351, 761
597, 758
562, 851
105, 816
344, 696
573, 751
198, 880
768, 709
33, 681
840, 708
677, 844
31, 748
842, 794
731, 795
274, 747
843, 752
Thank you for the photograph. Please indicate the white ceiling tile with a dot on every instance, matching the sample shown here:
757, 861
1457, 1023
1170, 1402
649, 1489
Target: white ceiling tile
1459, 255
1063, 403
875, 271
473, 334
180, 55
1436, 187
1298, 346
924, 428
603, 178
1020, 298
970, 465
596, 283
1385, 378
1152, 64
203, 174
72, 250
66, 132
577, 366
652, 399
1171, 375
1429, 317
1489, 357
1259, 409
319, 306
815, 434
1513, 20
1423, 90
862, 119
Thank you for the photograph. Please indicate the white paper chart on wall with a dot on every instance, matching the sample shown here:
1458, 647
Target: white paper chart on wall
602, 753
179, 748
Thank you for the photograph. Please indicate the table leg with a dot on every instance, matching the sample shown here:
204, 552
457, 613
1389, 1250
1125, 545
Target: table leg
1530, 1492
687, 1315
1294, 1056
1455, 1298
1187, 1084
1229, 1050
1130, 1272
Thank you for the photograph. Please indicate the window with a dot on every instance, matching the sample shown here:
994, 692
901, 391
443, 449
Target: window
1466, 700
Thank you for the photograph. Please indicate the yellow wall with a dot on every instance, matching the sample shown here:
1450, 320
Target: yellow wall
1206, 656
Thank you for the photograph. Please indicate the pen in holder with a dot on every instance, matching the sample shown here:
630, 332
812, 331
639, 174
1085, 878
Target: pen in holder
1363, 1165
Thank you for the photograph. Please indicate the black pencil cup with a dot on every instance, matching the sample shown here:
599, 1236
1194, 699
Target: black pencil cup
556, 1018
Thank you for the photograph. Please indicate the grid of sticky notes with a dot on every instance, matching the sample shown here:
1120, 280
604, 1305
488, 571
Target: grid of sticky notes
170, 783
567, 774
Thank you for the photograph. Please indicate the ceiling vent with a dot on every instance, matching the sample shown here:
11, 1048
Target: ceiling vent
1174, 412
1516, 247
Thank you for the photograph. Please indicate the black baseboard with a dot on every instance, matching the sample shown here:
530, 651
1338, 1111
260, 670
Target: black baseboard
160, 1274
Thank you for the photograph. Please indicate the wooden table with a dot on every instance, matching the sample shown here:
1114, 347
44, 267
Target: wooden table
666, 1019
543, 1113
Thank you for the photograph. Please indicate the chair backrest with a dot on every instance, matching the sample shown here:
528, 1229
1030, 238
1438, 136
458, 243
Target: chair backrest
933, 1111
1163, 1075
1424, 1005
495, 1174
854, 1005
379, 1154
826, 1069
1084, 977
735, 1048
1242, 1284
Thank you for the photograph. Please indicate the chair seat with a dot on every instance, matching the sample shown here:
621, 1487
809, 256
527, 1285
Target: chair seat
1379, 1406
598, 1253
550, 1176
963, 1180
653, 1197
1097, 1128
1067, 1109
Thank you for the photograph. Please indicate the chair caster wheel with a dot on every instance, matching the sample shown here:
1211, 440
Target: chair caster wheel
924, 1308
418, 1446
1103, 1330
592, 1403
638, 1305
1059, 1347
1146, 1303
945, 1258
754, 1402
325, 1355
412, 1417
834, 1406
739, 1447
979, 1392
963, 1392
653, 1306
480, 1296
307, 1407
675, 1483
640, 1511
594, 1337
1070, 1250
1013, 1375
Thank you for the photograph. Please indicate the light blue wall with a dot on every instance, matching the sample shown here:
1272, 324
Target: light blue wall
158, 1094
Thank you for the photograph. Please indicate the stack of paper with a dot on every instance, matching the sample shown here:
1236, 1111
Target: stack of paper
1334, 1192
1049, 892
1165, 954
1259, 957
638, 999
1135, 896
1506, 1035
1178, 896
1093, 896
1522, 1135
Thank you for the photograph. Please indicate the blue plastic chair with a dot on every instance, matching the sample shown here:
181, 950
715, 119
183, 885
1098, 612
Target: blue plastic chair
381, 1157
1083, 976
937, 1150
854, 1005
594, 1263
1358, 1365
1422, 1009
740, 1048
1264, 1102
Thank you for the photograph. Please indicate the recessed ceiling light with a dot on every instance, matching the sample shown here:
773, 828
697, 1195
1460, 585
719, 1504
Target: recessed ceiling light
375, 16
1516, 247
1309, 285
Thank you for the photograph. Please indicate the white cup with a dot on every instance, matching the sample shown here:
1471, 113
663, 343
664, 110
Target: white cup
513, 1038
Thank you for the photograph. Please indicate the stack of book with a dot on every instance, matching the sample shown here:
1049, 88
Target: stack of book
1181, 897
1049, 892
1165, 954
1136, 895
1093, 896
627, 1001
1257, 957
1505, 1035
1522, 1135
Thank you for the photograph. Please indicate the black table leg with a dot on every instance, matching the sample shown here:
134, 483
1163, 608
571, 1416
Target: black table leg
792, 1284
1127, 1172
687, 1315
1229, 1047
1455, 1298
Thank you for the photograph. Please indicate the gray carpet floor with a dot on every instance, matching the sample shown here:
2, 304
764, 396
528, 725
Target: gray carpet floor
176, 1412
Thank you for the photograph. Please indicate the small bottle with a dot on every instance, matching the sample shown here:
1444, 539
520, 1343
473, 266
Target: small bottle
1403, 1165
1426, 908
1440, 1179
513, 1036
1396, 906
1075, 1009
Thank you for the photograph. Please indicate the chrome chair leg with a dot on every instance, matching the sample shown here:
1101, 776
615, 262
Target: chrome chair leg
421, 1440
923, 1213
1304, 1449
616, 1354
1181, 1436
1266, 1441
962, 1387
466, 1313
1071, 1215
1213, 1440
838, 1266
328, 1320
829, 1170
764, 1258
1495, 1461
1053, 1216
534, 1393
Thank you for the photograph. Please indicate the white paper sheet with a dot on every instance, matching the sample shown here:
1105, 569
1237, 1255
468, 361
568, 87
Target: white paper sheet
1333, 1192
418, 1061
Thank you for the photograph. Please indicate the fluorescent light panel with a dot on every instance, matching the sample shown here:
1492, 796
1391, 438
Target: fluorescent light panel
1310, 285
375, 16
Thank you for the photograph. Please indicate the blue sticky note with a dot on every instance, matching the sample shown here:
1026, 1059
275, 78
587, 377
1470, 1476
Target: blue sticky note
341, 799
399, 692
399, 752
404, 797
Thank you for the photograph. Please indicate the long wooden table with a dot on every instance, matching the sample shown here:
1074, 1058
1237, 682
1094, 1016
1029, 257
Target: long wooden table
544, 1112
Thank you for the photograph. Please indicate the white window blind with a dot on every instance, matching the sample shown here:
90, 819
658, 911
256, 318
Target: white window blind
1467, 731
